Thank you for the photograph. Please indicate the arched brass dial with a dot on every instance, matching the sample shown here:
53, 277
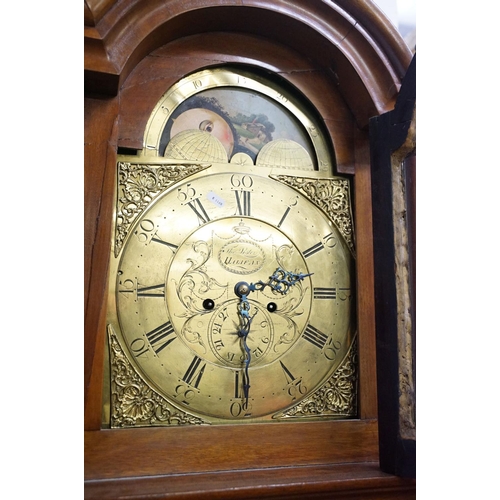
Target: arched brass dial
232, 289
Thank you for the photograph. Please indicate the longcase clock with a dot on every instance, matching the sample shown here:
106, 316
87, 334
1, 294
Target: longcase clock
230, 342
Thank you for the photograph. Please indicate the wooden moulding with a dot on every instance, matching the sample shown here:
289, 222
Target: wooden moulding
351, 39
99, 176
342, 481
393, 141
94, 10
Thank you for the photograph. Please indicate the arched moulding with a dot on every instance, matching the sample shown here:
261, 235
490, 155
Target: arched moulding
351, 39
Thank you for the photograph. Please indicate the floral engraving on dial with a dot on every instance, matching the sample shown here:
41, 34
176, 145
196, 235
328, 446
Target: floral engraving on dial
205, 270
133, 402
194, 286
138, 185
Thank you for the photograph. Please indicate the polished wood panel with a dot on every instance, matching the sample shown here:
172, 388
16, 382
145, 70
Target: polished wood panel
365, 284
100, 160
149, 451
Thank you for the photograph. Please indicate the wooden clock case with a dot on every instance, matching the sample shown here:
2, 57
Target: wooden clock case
349, 62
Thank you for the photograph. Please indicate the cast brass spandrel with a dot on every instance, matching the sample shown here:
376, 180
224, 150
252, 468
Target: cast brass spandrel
336, 397
331, 195
138, 185
133, 402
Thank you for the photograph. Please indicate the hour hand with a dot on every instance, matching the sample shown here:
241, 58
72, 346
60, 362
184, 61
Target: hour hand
280, 281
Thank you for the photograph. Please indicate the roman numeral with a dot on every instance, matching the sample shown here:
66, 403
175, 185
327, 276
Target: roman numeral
200, 211
151, 291
294, 387
311, 251
325, 293
329, 241
161, 337
288, 375
314, 336
166, 243
287, 211
237, 385
243, 202
194, 372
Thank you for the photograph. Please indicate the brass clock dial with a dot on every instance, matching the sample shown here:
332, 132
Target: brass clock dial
177, 308
232, 279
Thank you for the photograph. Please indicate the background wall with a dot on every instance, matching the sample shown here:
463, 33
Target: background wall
445, 381
402, 13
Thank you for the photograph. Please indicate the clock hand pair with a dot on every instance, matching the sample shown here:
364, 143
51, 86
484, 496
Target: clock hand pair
280, 281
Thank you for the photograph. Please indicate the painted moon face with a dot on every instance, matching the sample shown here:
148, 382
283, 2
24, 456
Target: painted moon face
207, 121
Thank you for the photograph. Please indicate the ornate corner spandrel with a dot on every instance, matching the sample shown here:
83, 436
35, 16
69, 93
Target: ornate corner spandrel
133, 402
138, 185
332, 196
337, 397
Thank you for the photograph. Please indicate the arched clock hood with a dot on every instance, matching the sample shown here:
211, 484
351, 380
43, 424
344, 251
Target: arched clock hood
350, 40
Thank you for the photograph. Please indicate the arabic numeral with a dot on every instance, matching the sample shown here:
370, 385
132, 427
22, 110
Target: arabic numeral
332, 349
241, 181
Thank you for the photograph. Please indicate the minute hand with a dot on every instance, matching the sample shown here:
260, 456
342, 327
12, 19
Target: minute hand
245, 322
280, 281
